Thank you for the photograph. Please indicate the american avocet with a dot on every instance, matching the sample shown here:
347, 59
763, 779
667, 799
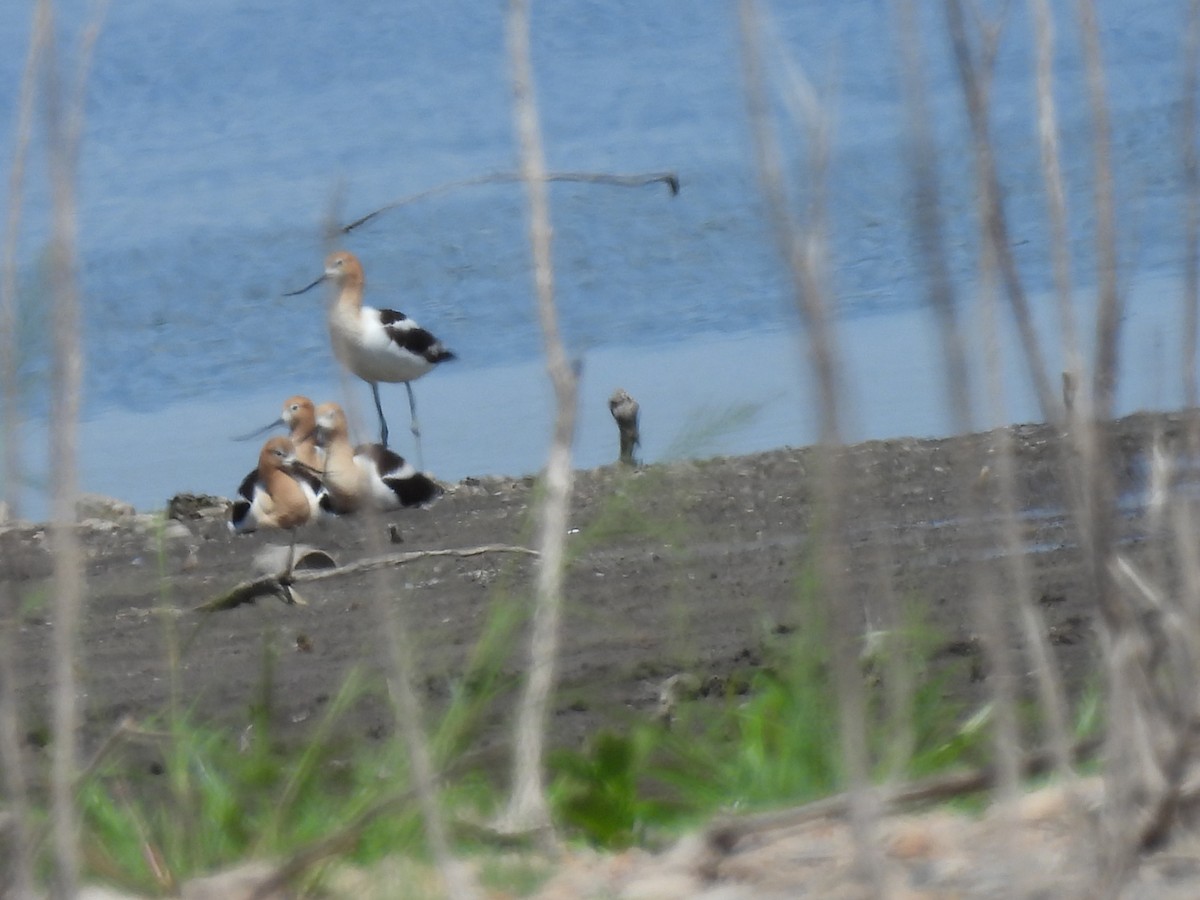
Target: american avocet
376, 344
299, 416
369, 473
280, 493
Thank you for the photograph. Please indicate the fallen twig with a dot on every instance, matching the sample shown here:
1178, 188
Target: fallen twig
275, 586
670, 179
724, 833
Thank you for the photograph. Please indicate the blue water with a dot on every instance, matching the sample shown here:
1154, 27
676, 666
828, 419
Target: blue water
218, 135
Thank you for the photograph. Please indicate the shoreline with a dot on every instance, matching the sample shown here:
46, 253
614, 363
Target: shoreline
685, 568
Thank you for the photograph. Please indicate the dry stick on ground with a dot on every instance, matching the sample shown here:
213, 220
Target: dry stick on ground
20, 865
271, 585
670, 179
344, 839
725, 833
527, 809
805, 253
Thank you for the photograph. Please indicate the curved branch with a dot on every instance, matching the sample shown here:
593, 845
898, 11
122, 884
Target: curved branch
670, 179
279, 586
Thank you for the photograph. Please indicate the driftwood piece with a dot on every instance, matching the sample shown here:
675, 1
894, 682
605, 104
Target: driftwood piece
625, 410
281, 587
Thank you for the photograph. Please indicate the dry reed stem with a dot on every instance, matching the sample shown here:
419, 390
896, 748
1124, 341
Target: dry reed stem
64, 126
928, 226
988, 606
974, 76
927, 216
1056, 204
20, 877
401, 655
670, 179
527, 809
1191, 182
410, 721
1130, 778
1108, 319
805, 252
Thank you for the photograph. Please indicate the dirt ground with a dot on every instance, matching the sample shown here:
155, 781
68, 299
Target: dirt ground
680, 568
687, 567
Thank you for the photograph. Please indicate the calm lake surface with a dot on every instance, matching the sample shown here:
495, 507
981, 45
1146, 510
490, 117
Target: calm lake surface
219, 135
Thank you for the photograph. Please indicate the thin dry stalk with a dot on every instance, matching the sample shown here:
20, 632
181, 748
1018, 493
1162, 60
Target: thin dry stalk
400, 663
805, 252
20, 878
528, 810
974, 76
1111, 306
64, 128
1129, 781
927, 215
928, 226
1056, 203
987, 605
67, 381
670, 179
1191, 181
410, 718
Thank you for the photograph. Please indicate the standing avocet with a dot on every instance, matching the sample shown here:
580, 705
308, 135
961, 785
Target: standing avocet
369, 473
376, 344
280, 493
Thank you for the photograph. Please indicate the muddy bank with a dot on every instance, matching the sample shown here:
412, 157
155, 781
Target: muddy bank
687, 567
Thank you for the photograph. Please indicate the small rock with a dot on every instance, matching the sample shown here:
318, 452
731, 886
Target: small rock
175, 530
913, 839
273, 558
663, 886
98, 525
196, 506
239, 883
98, 506
96, 892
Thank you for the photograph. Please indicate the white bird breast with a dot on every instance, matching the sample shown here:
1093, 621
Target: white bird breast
363, 346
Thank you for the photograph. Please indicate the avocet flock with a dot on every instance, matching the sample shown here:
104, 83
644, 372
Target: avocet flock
316, 470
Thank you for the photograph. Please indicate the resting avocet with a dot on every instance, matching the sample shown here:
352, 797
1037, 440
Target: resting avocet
299, 416
369, 473
376, 344
280, 493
